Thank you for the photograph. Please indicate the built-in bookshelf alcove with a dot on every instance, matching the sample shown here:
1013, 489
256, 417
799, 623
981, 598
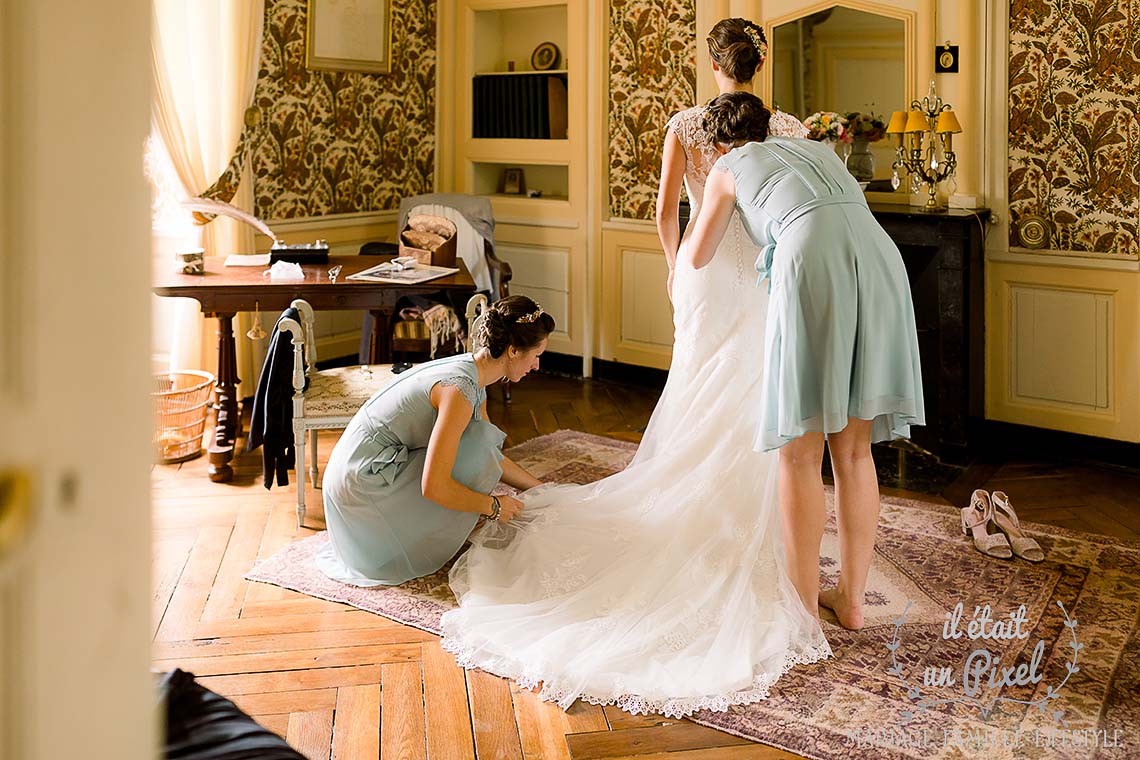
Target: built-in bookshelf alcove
516, 93
551, 182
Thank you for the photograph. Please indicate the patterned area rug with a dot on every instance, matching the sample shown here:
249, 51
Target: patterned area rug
1050, 670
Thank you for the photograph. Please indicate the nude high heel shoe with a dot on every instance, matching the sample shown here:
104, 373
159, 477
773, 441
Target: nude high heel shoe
976, 520
1006, 520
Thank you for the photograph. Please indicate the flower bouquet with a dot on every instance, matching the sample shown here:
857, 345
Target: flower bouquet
827, 126
866, 126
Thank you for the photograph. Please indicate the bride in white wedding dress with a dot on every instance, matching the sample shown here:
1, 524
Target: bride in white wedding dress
662, 588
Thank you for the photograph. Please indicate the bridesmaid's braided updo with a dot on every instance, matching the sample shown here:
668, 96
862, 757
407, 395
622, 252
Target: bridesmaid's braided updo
514, 321
736, 117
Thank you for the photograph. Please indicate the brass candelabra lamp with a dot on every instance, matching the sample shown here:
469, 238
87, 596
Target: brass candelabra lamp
924, 145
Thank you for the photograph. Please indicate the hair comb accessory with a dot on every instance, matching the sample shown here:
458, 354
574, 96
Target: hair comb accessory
532, 317
759, 44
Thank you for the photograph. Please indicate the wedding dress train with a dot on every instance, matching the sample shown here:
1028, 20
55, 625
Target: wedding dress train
662, 588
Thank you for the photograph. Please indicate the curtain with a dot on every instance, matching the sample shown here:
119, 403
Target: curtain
205, 57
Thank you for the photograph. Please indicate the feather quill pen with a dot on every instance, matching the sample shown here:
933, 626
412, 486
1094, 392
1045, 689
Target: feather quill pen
205, 209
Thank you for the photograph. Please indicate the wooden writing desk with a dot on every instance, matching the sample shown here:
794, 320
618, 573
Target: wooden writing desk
224, 291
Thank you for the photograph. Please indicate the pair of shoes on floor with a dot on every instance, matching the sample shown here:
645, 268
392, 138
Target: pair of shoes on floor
1006, 540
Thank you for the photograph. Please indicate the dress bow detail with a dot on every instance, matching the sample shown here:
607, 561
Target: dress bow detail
767, 253
387, 463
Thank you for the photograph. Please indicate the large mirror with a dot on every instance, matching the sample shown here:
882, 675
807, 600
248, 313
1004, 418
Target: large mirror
842, 60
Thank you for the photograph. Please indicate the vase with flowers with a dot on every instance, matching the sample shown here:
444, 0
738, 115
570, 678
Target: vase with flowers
827, 126
864, 129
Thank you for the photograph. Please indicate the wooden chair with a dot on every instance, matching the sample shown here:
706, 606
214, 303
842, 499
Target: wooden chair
411, 336
332, 398
476, 312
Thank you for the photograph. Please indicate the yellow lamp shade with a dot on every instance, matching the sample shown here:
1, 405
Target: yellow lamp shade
948, 122
898, 123
917, 121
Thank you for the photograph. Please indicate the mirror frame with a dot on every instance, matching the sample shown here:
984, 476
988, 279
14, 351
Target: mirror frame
918, 33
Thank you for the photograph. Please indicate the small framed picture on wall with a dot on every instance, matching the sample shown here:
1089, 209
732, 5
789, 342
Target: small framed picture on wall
513, 181
349, 36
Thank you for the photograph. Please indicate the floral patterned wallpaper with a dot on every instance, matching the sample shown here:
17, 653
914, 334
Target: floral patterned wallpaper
652, 76
1074, 132
333, 142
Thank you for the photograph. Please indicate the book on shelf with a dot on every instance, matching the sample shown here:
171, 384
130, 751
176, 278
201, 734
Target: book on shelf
519, 106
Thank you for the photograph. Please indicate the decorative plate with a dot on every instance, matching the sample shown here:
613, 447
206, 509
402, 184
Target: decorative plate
545, 57
1033, 231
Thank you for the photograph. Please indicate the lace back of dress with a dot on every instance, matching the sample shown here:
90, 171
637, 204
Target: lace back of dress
700, 155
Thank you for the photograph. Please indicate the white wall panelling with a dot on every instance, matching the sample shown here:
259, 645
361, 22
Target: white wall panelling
542, 273
647, 316
1062, 347
636, 324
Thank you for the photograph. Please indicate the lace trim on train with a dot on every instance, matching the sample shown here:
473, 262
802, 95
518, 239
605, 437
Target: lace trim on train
529, 677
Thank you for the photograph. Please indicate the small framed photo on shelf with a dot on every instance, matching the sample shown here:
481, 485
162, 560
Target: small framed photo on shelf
545, 57
513, 181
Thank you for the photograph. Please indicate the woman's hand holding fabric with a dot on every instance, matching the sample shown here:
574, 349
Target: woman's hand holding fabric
509, 507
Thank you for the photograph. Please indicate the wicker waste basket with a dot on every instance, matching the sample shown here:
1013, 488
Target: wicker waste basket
181, 403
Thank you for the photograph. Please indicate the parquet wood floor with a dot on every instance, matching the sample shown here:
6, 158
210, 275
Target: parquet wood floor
340, 683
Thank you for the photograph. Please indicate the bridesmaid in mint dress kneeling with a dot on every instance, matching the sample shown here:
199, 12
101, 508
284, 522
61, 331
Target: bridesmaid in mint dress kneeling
841, 348
412, 473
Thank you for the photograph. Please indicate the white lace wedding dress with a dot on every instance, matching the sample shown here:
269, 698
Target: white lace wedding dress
662, 588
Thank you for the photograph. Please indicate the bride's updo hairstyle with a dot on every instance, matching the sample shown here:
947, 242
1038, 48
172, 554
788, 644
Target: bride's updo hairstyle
736, 117
514, 321
739, 47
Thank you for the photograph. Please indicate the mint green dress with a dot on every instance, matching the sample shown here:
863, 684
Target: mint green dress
840, 340
381, 529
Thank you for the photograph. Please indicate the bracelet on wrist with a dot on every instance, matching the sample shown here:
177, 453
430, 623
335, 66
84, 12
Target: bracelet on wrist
496, 509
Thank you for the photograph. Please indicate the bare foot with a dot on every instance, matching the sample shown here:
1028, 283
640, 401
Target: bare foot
849, 616
827, 616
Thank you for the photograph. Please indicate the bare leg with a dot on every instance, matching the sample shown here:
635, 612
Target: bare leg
857, 517
804, 514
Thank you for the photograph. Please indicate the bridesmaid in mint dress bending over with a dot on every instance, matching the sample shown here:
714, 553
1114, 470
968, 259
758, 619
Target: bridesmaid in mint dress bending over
841, 348
412, 473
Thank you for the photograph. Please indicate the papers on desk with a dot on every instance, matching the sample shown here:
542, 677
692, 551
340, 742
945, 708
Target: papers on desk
251, 260
388, 272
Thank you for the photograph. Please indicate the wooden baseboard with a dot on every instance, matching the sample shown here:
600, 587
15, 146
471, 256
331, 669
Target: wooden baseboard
631, 374
569, 365
554, 363
1003, 441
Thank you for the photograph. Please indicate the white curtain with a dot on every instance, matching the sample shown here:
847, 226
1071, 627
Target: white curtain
205, 59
